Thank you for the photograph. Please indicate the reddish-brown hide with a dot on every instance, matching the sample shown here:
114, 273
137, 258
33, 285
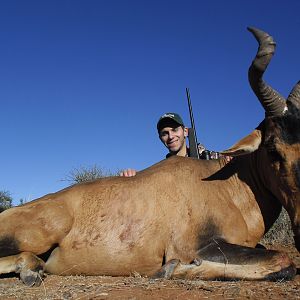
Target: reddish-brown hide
179, 218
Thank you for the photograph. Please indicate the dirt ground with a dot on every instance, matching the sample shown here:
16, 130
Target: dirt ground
137, 287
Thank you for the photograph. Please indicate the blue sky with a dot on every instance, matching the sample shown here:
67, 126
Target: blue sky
84, 82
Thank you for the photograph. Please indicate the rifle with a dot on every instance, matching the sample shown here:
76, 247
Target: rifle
193, 143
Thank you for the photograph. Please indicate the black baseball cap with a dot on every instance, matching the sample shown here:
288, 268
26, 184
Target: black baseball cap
167, 117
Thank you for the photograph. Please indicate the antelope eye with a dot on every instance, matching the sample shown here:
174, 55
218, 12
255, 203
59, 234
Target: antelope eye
274, 155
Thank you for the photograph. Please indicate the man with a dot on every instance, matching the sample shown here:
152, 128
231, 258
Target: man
173, 134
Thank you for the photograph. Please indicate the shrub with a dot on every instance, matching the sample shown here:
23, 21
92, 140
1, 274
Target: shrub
281, 232
5, 200
84, 174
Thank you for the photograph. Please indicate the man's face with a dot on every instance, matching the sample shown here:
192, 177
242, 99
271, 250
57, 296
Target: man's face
173, 137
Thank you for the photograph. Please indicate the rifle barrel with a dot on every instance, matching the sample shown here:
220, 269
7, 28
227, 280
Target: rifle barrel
191, 113
195, 141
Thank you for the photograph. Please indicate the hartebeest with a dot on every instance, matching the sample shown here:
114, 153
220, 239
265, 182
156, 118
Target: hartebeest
182, 217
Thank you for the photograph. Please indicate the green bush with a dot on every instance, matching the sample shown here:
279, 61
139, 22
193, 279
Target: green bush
5, 200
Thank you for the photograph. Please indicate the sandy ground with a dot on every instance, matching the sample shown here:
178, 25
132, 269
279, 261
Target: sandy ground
137, 287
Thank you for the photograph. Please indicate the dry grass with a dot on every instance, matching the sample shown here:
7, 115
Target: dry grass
84, 174
281, 232
106, 287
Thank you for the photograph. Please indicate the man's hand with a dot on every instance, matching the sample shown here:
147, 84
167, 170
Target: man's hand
228, 158
128, 173
201, 148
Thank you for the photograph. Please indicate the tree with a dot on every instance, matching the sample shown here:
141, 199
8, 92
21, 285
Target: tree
5, 200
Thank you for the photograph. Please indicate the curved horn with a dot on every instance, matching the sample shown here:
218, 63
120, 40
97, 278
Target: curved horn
273, 103
294, 96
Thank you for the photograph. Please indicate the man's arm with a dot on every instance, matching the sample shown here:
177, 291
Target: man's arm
208, 155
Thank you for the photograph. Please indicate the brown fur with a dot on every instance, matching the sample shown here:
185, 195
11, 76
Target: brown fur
112, 226
172, 212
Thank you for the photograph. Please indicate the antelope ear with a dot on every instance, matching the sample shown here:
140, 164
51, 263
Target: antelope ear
246, 145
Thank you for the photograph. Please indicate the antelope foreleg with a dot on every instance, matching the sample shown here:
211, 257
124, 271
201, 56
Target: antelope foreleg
28, 265
224, 261
207, 270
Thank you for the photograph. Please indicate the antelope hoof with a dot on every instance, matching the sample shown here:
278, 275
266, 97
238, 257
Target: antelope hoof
167, 270
31, 278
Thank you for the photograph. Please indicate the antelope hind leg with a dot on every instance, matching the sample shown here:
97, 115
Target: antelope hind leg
221, 260
28, 265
